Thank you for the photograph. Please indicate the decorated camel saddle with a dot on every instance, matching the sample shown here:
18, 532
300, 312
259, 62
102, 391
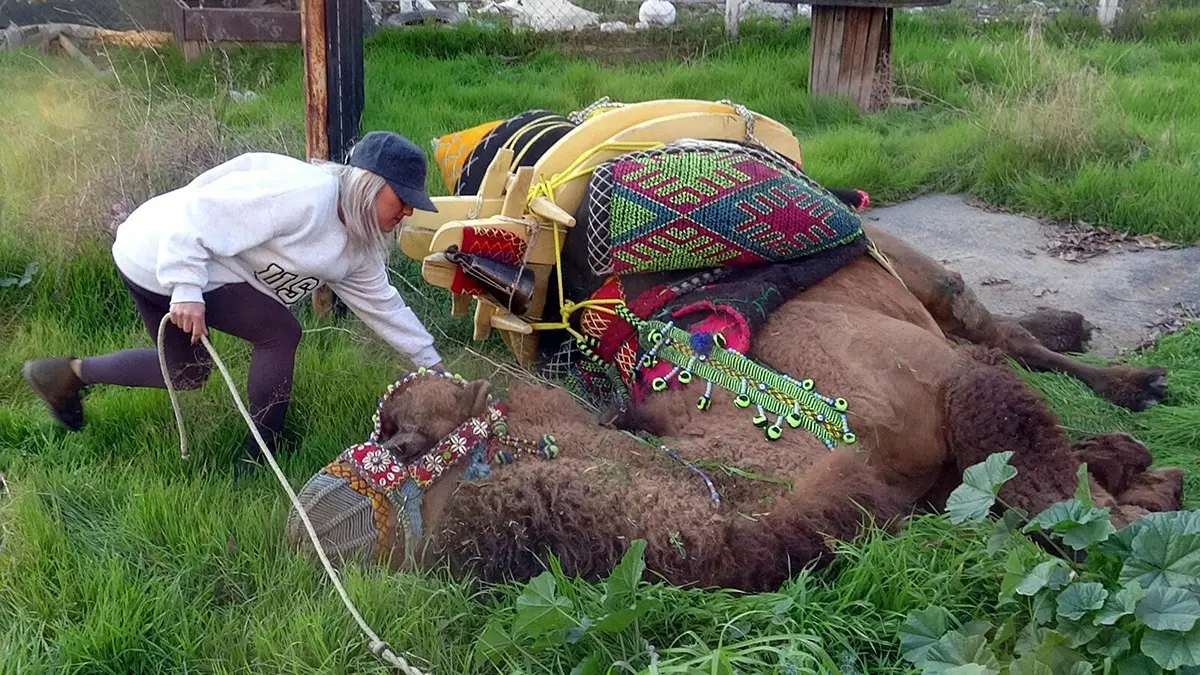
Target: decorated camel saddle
588, 238
769, 372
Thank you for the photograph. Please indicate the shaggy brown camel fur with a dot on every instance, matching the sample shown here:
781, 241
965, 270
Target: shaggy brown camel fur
922, 407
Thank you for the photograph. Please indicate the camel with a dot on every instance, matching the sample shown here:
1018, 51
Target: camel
922, 364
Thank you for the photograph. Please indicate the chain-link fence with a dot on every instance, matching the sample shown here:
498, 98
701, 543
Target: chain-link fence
114, 14
609, 16
605, 16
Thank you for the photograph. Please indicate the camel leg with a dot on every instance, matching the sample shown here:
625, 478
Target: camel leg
836, 498
959, 312
990, 410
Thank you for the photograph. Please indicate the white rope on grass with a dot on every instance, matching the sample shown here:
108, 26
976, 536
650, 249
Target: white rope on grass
378, 647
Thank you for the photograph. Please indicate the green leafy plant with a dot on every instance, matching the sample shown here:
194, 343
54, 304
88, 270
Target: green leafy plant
1126, 602
546, 618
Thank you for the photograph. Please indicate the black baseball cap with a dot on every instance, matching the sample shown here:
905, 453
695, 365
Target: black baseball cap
398, 161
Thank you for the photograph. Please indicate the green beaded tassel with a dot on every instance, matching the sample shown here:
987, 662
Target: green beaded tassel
768, 391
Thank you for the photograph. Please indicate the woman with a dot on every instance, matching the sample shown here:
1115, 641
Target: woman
234, 250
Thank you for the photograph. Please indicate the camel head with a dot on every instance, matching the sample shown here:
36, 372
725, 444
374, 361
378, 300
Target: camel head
372, 503
419, 414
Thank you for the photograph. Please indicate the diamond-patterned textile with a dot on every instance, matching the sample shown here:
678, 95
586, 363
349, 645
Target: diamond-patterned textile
703, 204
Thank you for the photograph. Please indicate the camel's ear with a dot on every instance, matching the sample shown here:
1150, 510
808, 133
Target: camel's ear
473, 398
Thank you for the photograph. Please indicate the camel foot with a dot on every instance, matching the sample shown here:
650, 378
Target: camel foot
1132, 388
1113, 459
1058, 330
1157, 490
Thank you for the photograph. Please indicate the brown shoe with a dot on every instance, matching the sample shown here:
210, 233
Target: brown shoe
53, 380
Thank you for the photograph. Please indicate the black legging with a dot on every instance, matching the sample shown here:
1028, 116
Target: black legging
237, 309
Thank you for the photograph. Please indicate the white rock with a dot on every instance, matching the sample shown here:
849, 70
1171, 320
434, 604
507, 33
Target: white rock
657, 12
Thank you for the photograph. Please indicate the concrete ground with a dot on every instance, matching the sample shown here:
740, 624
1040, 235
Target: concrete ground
1130, 290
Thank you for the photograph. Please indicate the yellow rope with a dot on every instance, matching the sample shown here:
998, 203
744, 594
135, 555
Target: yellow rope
547, 188
377, 646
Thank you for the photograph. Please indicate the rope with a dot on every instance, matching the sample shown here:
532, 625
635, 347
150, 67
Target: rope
378, 647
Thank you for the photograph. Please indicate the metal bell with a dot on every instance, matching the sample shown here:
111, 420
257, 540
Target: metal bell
507, 285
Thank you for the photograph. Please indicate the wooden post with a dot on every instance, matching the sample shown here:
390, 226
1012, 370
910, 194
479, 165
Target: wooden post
852, 54
316, 79
316, 106
851, 49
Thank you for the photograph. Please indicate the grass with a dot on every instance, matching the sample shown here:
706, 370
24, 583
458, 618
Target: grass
115, 556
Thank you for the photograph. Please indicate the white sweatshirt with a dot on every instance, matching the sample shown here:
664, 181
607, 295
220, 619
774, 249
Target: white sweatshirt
271, 221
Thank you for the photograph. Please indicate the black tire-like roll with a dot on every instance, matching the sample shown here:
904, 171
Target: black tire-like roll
529, 134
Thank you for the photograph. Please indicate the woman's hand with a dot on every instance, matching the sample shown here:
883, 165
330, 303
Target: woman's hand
189, 317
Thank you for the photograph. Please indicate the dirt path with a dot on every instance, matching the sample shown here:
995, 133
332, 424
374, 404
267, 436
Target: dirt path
1131, 290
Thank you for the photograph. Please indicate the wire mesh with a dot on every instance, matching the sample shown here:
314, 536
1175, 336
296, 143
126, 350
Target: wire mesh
607, 16
112, 14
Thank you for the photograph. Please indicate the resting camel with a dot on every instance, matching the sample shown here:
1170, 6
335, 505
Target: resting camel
921, 362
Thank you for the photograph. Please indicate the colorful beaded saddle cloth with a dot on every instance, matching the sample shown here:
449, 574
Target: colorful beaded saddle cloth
702, 204
384, 495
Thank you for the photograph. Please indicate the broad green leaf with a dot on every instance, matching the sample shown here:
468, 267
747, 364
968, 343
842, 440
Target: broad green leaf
1043, 608
779, 612
973, 499
1080, 598
576, 633
1078, 633
617, 621
1079, 525
1051, 574
956, 649
1164, 551
1090, 533
1136, 664
970, 669
622, 585
1006, 630
1005, 527
1029, 639
1054, 653
1014, 573
1172, 649
1029, 665
1111, 642
921, 630
491, 641
1166, 608
976, 627
1119, 604
588, 666
540, 609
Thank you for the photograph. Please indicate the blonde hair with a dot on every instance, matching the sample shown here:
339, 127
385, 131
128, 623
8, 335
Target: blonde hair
357, 191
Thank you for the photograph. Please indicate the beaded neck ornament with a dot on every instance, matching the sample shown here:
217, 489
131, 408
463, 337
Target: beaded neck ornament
485, 438
706, 356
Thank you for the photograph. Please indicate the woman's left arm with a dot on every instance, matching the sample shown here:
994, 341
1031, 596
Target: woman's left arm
368, 294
